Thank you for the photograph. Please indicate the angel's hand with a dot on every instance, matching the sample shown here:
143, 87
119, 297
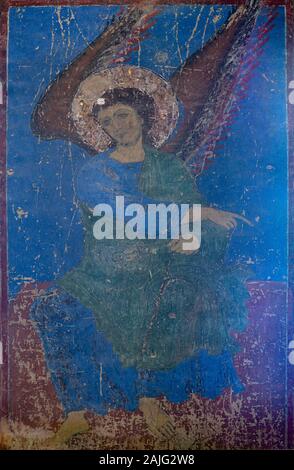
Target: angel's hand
177, 246
223, 218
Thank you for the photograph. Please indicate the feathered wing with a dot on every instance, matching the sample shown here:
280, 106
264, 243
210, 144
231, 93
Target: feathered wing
51, 118
212, 83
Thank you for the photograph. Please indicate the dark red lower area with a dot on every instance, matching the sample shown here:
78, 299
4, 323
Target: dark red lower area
255, 418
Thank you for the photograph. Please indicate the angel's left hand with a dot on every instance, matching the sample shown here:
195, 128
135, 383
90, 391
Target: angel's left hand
177, 245
223, 218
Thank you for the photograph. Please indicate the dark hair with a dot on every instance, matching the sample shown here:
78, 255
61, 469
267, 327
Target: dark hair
139, 100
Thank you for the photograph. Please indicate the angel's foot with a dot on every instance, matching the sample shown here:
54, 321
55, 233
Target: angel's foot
161, 425
75, 423
158, 422
6, 438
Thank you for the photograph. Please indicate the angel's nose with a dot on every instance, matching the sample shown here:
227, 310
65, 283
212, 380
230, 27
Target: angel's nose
120, 123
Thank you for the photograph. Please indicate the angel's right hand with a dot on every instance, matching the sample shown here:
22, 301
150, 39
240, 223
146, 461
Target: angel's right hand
225, 219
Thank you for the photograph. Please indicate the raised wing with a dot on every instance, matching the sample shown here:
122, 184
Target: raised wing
212, 83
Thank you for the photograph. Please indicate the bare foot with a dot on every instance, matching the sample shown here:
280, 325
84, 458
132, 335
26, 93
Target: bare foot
162, 426
159, 423
75, 423
6, 438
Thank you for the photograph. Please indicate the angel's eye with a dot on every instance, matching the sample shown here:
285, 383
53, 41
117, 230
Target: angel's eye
106, 122
122, 115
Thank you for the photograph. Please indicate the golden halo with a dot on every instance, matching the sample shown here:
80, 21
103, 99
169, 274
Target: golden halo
94, 86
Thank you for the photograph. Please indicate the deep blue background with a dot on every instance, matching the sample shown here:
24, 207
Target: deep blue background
249, 175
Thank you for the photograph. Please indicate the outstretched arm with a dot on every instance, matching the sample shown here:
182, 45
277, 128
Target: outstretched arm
225, 219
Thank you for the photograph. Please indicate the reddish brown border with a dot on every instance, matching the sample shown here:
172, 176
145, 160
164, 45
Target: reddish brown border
4, 7
20, 3
3, 228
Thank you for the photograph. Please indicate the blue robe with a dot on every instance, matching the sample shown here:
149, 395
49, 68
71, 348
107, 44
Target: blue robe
120, 327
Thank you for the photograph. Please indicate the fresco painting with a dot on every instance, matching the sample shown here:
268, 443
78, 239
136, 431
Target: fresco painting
137, 342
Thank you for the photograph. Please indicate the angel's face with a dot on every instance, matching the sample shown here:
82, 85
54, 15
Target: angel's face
122, 123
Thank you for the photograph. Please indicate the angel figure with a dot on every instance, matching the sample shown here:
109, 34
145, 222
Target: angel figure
140, 319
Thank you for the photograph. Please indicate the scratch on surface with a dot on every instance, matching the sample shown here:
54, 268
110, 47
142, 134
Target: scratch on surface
100, 381
206, 24
78, 27
52, 47
60, 22
194, 31
176, 29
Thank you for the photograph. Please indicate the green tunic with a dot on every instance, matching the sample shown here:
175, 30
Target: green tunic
158, 307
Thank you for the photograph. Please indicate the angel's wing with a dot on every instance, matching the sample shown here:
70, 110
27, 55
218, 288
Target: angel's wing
51, 118
213, 81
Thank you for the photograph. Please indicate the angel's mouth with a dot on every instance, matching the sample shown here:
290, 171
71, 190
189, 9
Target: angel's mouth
127, 137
